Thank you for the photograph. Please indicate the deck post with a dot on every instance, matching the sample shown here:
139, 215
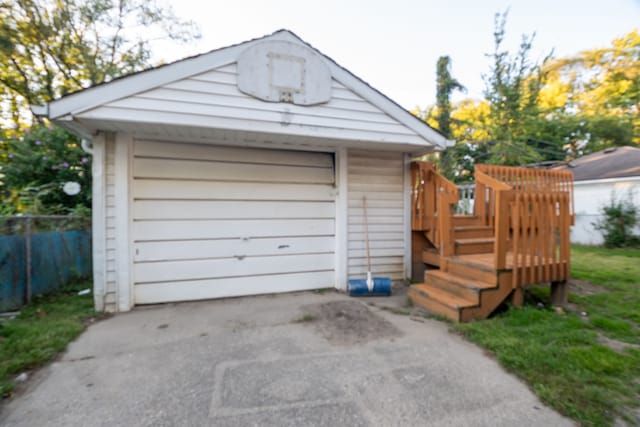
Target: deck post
559, 293
517, 297
418, 244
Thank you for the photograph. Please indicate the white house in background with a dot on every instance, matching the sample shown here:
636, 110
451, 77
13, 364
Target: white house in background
614, 172
243, 171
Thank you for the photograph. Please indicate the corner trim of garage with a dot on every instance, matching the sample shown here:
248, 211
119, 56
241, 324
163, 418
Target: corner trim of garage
342, 232
122, 191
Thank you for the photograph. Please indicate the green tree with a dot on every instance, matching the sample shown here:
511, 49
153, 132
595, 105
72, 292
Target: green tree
512, 90
446, 85
49, 48
36, 167
52, 47
594, 96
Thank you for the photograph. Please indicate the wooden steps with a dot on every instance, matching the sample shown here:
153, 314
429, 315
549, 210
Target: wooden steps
472, 231
460, 286
468, 268
465, 220
431, 257
480, 245
439, 302
465, 288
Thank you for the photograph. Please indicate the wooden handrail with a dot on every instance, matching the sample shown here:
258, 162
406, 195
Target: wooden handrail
483, 178
432, 202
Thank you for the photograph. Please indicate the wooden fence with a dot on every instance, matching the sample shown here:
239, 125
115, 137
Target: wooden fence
39, 254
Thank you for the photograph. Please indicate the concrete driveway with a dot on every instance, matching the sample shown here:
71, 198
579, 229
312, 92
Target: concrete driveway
288, 360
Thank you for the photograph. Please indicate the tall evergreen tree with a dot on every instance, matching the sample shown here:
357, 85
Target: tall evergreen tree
446, 85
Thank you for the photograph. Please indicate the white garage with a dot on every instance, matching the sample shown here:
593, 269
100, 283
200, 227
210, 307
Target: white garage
243, 171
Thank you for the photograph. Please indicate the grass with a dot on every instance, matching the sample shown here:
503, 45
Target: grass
568, 359
41, 331
305, 318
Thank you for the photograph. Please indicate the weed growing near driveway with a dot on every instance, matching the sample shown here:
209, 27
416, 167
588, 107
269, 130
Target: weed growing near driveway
584, 362
40, 332
305, 318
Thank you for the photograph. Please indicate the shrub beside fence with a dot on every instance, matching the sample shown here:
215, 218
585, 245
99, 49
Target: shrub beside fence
39, 254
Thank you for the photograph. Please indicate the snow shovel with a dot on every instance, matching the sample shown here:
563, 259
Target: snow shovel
371, 286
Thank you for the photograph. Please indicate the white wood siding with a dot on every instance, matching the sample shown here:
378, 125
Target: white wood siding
213, 221
212, 99
380, 177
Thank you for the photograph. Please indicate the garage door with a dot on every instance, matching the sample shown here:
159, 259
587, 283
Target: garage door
216, 221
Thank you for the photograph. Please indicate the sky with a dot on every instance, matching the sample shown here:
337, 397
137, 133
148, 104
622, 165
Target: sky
394, 44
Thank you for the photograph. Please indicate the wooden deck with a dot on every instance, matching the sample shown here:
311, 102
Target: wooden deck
518, 235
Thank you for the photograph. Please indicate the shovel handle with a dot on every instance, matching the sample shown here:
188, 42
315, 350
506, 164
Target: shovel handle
366, 233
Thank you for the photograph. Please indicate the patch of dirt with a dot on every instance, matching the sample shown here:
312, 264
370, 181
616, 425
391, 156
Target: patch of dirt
240, 325
349, 323
615, 345
633, 416
584, 288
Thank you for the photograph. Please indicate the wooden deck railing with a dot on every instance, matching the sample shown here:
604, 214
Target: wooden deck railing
531, 212
528, 180
433, 200
487, 188
540, 249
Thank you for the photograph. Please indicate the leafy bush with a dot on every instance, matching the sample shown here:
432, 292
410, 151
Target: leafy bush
620, 217
34, 166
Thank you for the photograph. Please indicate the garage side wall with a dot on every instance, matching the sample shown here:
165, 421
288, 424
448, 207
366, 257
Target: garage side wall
378, 176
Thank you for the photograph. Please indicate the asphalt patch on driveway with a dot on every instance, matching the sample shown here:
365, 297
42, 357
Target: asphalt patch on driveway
348, 323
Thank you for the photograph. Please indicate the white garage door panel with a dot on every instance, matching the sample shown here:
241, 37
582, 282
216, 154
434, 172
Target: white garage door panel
211, 221
195, 169
224, 248
230, 267
172, 150
203, 209
205, 190
225, 229
220, 288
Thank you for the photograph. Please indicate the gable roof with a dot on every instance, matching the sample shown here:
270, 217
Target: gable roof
618, 162
78, 102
